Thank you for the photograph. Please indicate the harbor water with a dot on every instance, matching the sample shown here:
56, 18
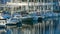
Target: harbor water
47, 26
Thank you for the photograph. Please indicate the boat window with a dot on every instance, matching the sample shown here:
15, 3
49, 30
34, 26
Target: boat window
13, 19
2, 21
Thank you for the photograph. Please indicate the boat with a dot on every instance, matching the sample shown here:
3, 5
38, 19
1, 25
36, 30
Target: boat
2, 23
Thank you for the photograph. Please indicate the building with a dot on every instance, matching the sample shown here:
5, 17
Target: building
32, 5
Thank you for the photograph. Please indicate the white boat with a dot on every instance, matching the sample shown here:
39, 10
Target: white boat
2, 20
2, 23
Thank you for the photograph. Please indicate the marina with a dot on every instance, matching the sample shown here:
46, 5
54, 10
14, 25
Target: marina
29, 16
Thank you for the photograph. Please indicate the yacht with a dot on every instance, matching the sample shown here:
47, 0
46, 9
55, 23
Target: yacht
2, 20
2, 23
12, 22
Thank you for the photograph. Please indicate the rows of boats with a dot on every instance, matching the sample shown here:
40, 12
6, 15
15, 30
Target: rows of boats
22, 20
35, 15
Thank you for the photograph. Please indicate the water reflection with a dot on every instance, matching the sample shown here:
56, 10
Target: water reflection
47, 26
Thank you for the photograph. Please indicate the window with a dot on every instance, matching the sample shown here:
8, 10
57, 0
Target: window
2, 22
1, 8
24, 0
45, 7
48, 1
55, 0
49, 7
42, 7
31, 0
31, 7
24, 8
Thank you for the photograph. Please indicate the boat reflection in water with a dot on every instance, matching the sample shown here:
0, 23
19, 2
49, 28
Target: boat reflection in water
42, 26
